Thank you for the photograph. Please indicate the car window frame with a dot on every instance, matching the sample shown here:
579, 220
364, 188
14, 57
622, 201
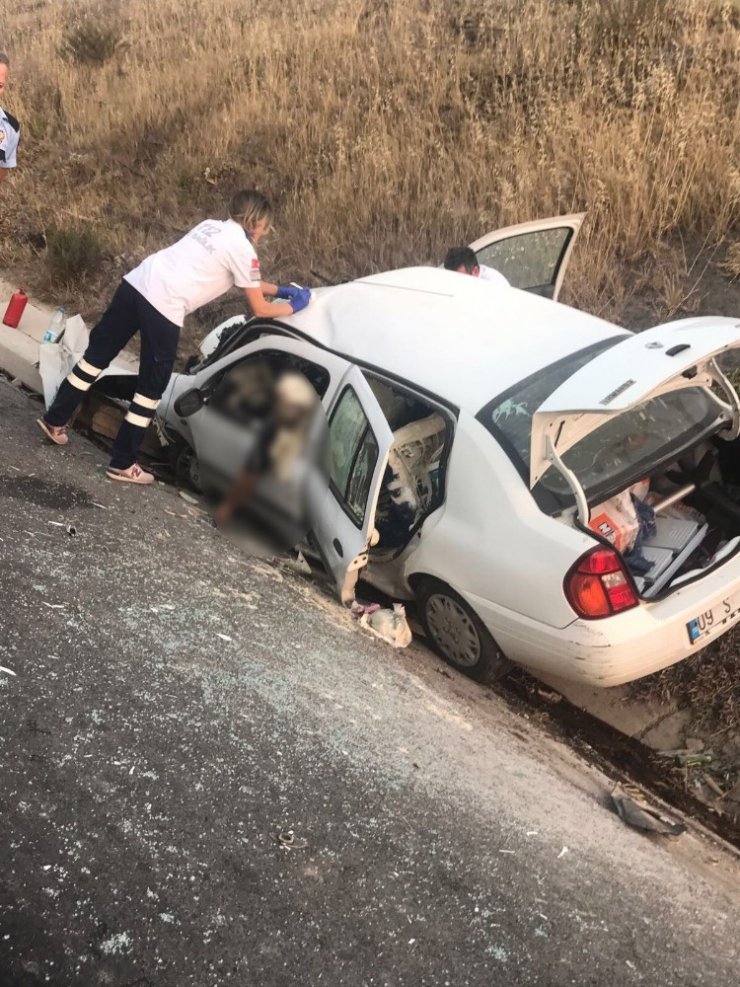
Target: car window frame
338, 495
215, 380
539, 289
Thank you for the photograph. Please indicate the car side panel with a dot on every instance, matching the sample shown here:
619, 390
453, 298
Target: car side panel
492, 540
618, 649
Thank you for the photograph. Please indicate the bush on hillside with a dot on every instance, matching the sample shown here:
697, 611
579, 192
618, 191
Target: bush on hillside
73, 252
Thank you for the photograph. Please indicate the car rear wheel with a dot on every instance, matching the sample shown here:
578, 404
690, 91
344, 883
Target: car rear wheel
458, 634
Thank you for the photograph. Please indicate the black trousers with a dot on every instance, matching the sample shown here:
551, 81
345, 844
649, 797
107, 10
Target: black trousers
128, 313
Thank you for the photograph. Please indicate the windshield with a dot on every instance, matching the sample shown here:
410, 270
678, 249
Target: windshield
620, 447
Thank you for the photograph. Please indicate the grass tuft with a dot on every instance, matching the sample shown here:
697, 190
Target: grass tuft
72, 253
93, 39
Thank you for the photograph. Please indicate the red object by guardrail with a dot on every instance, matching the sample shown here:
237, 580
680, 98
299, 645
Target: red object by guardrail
15, 308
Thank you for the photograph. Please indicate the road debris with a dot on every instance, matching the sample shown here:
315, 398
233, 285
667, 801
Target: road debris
563, 852
224, 637
289, 841
390, 625
8, 670
357, 609
188, 497
635, 812
54, 606
71, 530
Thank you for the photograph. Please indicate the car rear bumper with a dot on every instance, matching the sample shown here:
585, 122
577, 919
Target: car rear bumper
622, 648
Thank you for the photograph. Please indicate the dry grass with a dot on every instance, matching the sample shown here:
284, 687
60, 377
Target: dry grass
385, 130
708, 683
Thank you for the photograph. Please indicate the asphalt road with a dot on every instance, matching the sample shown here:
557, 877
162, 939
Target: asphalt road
177, 705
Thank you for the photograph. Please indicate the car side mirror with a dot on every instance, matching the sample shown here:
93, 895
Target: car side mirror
189, 402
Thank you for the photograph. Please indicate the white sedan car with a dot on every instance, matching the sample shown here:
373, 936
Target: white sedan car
548, 487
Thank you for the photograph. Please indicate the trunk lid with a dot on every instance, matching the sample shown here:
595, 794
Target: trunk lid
640, 367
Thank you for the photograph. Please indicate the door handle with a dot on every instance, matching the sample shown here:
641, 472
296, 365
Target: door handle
338, 546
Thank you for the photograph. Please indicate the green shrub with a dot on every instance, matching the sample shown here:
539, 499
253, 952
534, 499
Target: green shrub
73, 252
92, 40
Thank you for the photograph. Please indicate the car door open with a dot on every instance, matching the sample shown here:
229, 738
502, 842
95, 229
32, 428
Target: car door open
343, 517
532, 256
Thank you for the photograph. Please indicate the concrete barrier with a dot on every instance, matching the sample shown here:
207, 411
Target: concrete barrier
19, 348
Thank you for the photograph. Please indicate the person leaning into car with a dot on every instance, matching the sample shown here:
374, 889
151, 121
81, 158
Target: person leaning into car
154, 299
464, 261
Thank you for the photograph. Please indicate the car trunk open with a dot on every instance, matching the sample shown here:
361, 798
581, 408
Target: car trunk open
645, 439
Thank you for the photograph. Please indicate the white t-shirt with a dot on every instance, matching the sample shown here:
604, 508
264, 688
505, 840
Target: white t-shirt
208, 261
10, 133
490, 274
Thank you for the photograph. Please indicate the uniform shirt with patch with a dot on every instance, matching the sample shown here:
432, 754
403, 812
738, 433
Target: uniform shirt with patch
208, 261
10, 135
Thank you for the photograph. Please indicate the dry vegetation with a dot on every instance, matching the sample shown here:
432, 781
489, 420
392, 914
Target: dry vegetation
385, 130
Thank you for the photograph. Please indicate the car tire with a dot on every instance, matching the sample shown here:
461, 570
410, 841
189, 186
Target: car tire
457, 633
187, 469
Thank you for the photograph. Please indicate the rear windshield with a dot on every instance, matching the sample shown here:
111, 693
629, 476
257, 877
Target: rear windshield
636, 440
641, 437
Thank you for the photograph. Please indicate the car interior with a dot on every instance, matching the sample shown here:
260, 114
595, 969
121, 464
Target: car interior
414, 482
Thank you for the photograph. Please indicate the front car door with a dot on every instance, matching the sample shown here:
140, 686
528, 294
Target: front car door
343, 517
532, 256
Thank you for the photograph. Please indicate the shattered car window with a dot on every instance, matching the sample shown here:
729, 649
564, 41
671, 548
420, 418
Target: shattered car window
640, 437
643, 435
353, 454
527, 259
509, 417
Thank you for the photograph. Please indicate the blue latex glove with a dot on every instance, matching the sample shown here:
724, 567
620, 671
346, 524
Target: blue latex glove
288, 291
300, 299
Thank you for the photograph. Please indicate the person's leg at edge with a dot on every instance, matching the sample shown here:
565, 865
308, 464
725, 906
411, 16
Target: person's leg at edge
117, 325
159, 339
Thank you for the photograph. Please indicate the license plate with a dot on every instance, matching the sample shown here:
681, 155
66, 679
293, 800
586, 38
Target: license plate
714, 621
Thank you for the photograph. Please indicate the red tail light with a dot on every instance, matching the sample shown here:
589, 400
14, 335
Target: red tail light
598, 585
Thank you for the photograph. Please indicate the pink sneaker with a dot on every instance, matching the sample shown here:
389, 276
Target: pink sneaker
134, 474
55, 433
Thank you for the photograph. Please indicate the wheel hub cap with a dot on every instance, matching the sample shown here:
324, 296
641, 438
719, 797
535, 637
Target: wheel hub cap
453, 630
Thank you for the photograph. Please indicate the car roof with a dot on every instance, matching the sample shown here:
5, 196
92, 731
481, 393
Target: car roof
456, 336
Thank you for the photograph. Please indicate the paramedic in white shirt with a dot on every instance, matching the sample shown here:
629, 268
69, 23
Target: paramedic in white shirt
10, 131
464, 261
154, 299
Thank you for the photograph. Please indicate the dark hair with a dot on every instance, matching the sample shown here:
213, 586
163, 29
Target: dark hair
4, 60
457, 257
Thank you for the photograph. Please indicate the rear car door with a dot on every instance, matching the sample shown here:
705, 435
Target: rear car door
532, 256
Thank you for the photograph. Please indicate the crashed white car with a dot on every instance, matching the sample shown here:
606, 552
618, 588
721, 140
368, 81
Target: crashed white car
548, 487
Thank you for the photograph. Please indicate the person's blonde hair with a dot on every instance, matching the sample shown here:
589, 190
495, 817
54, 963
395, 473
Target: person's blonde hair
249, 207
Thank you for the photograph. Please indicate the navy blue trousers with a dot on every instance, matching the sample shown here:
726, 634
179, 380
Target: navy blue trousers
128, 313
